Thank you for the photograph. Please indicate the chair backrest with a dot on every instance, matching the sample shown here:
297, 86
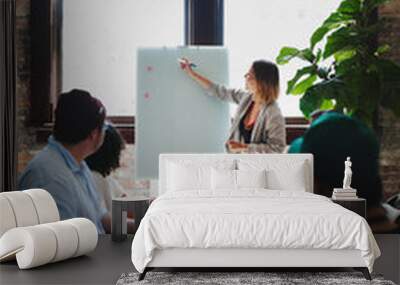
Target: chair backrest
286, 171
26, 208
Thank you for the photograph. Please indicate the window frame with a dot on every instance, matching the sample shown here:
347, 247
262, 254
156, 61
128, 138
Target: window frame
46, 60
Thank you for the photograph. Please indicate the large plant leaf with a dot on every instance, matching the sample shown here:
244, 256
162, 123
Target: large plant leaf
299, 74
382, 49
286, 54
315, 96
303, 85
318, 35
351, 7
344, 38
362, 83
327, 104
307, 55
337, 18
318, 55
344, 55
310, 103
345, 68
334, 21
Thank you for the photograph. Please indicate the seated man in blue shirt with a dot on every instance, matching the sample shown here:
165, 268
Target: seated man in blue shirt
60, 167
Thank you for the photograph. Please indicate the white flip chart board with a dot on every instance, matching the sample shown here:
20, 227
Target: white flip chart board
174, 114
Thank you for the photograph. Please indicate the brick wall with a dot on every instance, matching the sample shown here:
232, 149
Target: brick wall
390, 145
27, 146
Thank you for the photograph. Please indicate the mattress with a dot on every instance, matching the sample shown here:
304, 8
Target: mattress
251, 219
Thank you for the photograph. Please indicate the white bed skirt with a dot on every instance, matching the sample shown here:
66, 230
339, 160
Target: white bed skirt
193, 257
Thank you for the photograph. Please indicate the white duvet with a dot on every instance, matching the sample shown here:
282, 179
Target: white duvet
250, 219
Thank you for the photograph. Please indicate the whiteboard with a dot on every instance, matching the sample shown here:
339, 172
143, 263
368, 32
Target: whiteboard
173, 113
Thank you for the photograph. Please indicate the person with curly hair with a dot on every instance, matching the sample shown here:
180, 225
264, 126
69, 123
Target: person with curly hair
103, 162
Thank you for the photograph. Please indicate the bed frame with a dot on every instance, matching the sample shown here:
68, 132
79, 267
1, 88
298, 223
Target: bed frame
256, 258
251, 258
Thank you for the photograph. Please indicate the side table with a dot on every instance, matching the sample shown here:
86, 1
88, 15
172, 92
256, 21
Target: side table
120, 208
357, 205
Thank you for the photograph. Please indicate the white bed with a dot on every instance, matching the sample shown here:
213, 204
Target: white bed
198, 223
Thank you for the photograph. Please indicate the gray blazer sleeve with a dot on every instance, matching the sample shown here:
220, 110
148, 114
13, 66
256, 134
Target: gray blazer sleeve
225, 94
274, 131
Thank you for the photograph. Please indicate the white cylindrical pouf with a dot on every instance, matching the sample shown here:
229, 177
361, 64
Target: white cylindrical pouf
23, 207
7, 218
45, 205
67, 239
87, 234
34, 246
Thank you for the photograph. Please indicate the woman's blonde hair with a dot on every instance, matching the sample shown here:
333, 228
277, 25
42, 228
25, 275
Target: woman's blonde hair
266, 74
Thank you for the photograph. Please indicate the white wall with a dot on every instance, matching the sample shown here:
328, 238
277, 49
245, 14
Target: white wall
100, 38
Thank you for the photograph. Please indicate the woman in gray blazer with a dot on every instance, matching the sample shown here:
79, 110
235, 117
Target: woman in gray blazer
258, 126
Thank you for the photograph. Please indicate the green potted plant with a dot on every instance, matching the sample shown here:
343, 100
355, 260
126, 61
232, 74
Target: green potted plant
345, 69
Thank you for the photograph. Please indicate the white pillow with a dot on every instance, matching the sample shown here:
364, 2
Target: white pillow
189, 175
223, 179
182, 178
251, 178
281, 174
238, 179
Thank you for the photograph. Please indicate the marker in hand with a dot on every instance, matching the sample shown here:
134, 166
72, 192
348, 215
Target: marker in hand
184, 62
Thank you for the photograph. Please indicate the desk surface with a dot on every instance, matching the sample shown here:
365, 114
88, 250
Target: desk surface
102, 266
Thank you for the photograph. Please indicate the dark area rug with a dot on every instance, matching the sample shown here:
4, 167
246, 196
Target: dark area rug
225, 278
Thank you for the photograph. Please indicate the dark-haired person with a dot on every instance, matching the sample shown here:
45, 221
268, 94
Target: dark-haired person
331, 138
104, 161
60, 168
258, 126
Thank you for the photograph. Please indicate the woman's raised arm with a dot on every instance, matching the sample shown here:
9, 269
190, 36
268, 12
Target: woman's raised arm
223, 93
